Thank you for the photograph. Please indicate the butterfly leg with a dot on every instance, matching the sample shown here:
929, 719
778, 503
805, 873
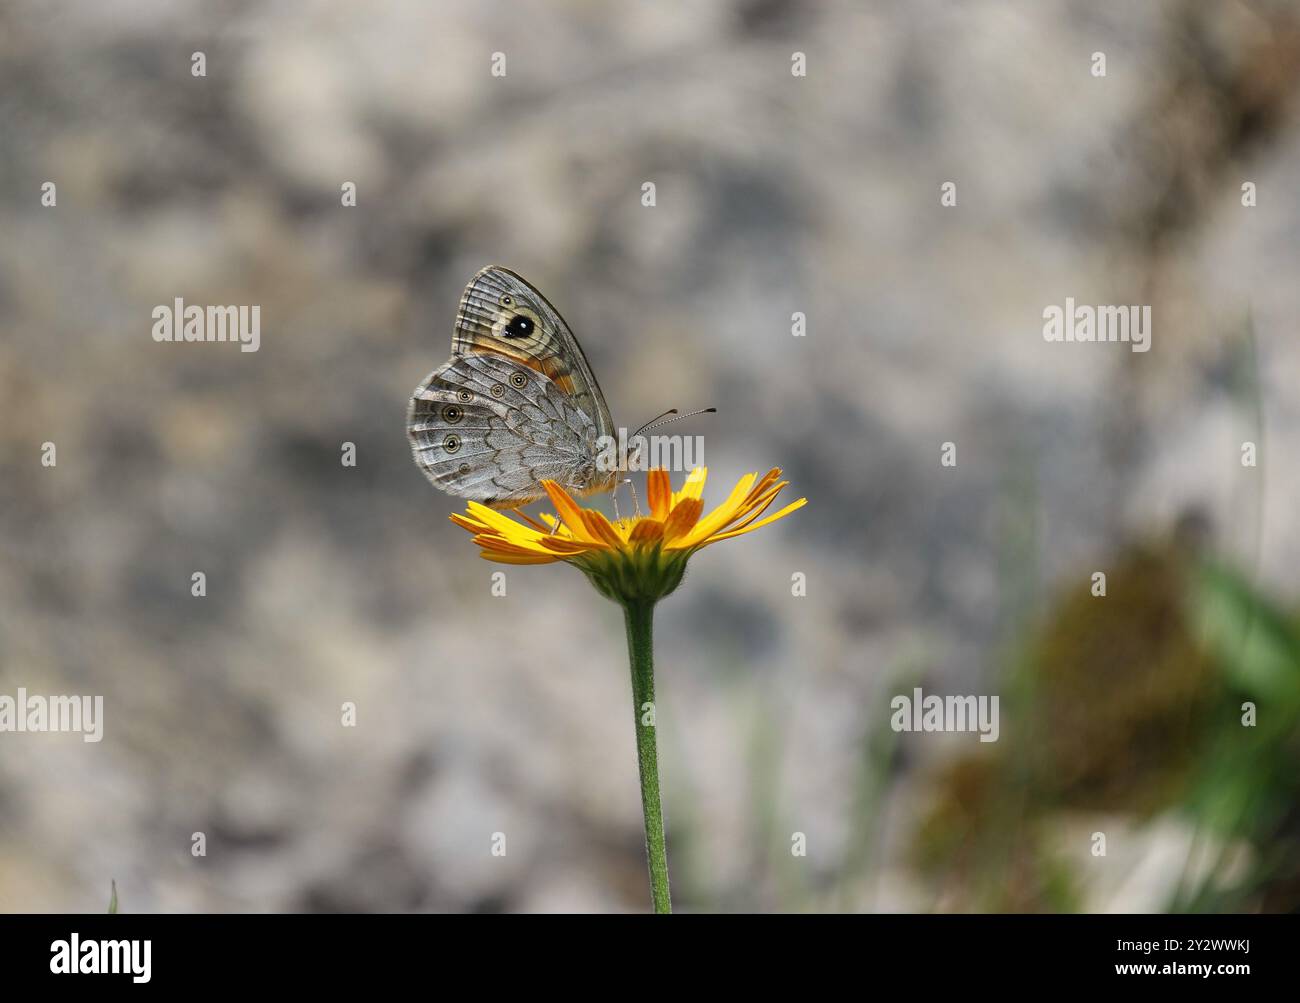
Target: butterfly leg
614, 496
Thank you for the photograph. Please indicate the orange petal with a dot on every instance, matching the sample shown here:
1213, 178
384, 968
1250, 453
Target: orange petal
600, 528
659, 491
682, 519
646, 531
569, 511
559, 545
499, 558
530, 520
765, 482
470, 524
495, 541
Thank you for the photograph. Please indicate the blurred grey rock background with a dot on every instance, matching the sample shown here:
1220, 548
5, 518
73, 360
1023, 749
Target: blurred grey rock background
775, 194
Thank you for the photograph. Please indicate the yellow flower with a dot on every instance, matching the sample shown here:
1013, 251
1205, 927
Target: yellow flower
643, 557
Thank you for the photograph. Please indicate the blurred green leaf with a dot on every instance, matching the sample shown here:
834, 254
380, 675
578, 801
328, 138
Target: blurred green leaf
1251, 638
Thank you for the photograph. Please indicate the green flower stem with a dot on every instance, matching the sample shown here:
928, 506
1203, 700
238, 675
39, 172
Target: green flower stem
639, 616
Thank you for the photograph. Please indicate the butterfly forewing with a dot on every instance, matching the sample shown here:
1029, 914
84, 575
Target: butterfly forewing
516, 404
503, 314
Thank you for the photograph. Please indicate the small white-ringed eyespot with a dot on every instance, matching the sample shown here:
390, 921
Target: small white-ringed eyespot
452, 413
464, 396
498, 390
518, 380
451, 443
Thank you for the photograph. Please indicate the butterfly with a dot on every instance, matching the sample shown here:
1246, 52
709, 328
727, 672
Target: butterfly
516, 404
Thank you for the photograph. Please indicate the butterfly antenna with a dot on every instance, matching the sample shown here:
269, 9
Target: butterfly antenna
650, 423
663, 419
659, 422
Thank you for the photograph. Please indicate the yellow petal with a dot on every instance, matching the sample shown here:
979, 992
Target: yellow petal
767, 480
751, 511
723, 514
501, 523
694, 485
754, 504
744, 518
770, 519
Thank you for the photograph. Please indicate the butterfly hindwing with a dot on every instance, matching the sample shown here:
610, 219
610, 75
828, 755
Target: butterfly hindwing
488, 428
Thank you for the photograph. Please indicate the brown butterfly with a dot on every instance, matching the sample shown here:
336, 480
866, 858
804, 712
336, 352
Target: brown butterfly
517, 402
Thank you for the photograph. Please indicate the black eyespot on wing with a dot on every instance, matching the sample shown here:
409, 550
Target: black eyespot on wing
519, 327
